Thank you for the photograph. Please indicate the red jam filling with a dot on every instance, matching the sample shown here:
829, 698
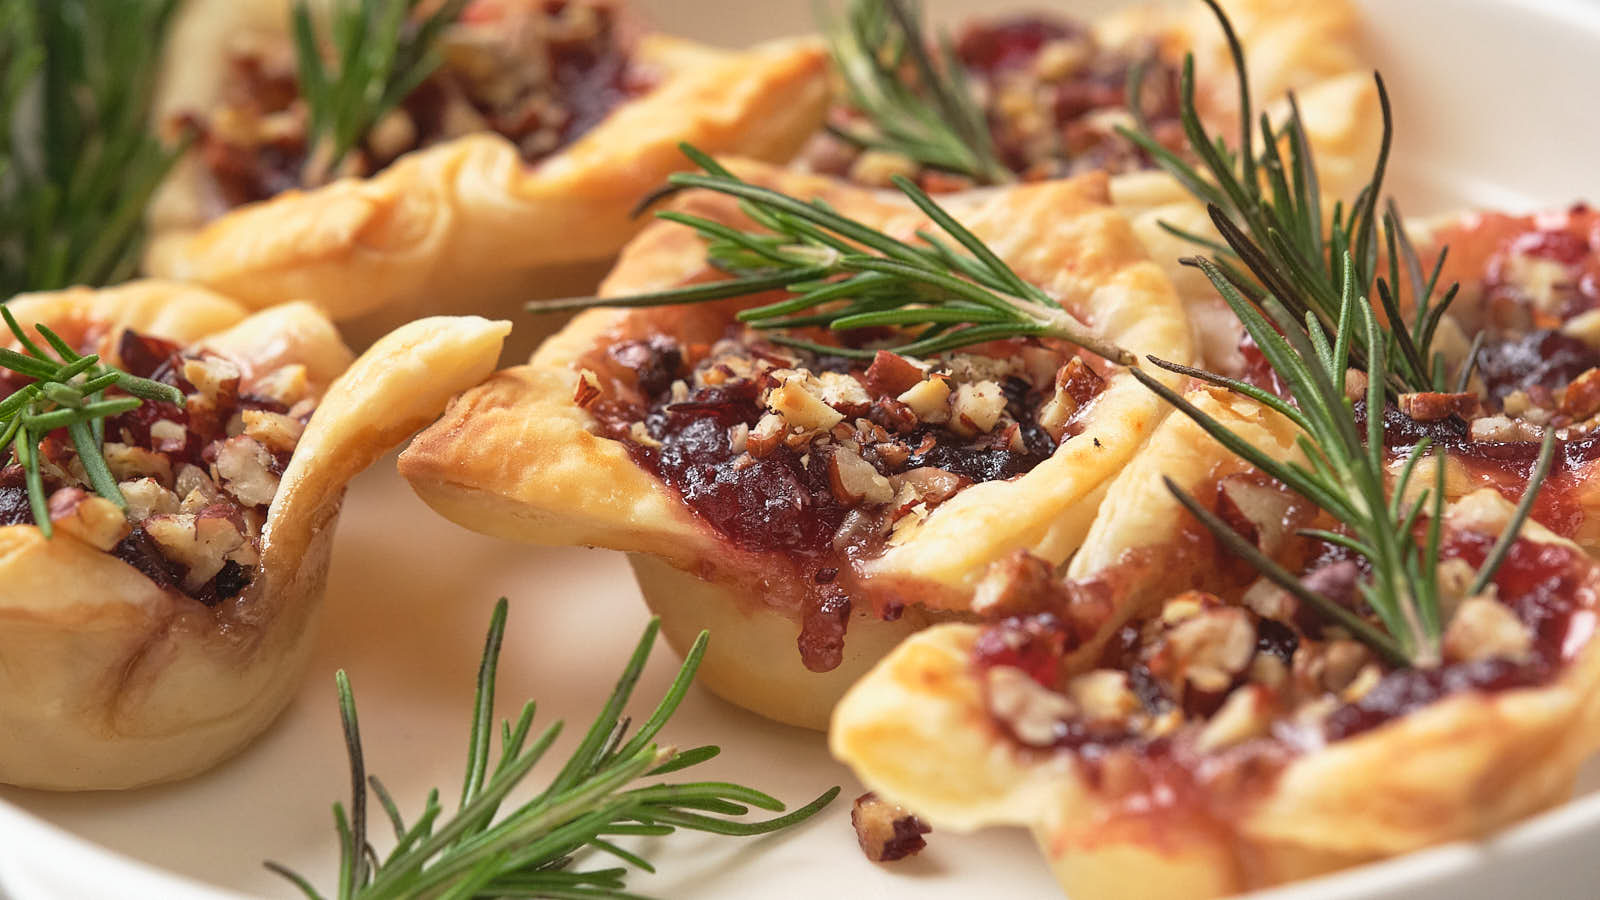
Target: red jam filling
786, 500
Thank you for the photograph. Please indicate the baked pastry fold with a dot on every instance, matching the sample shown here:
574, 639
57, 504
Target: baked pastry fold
124, 662
520, 457
1168, 729
464, 225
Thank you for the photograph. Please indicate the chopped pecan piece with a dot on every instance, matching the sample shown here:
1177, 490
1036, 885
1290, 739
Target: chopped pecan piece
1582, 396
1035, 714
1484, 628
891, 374
1433, 406
275, 431
886, 831
587, 391
90, 518
245, 467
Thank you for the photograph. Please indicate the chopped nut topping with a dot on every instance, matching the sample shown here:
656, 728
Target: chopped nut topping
1033, 713
128, 462
892, 374
146, 497
274, 431
1247, 713
1211, 647
929, 400
91, 519
978, 407
798, 400
1501, 429
1581, 399
1104, 695
199, 542
854, 480
245, 467
1484, 628
1433, 406
886, 831
587, 390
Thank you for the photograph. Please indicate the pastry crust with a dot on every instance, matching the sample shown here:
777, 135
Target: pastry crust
465, 225
109, 681
516, 457
918, 730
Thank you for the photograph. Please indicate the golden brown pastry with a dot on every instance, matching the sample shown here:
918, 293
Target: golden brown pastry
147, 645
495, 196
1199, 744
768, 494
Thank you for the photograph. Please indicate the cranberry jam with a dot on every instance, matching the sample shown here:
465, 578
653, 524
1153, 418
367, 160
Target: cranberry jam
818, 463
540, 73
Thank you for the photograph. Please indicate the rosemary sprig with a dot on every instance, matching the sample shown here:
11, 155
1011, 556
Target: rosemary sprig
1269, 213
380, 55
78, 162
598, 794
1344, 472
946, 297
920, 103
67, 391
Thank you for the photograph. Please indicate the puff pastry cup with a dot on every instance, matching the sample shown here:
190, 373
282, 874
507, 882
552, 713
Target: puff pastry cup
533, 454
147, 647
1054, 91
463, 225
1166, 732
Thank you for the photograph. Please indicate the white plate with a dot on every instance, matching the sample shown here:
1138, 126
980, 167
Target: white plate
1497, 104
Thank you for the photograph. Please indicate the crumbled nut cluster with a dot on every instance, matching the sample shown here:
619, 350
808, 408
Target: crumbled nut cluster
886, 831
898, 436
198, 480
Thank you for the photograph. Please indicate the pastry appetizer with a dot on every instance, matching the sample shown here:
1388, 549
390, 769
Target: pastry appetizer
1042, 97
167, 505
512, 135
1284, 669
808, 477
1213, 746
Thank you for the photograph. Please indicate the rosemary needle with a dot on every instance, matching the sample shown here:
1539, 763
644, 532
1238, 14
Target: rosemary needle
380, 55
78, 162
66, 392
608, 787
920, 103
